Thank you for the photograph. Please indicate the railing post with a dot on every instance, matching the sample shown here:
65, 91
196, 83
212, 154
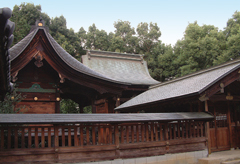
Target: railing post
166, 136
207, 131
56, 142
116, 140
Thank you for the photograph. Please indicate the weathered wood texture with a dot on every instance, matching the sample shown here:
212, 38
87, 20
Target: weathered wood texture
93, 142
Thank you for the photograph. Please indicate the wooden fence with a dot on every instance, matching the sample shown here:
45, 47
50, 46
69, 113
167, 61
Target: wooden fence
94, 142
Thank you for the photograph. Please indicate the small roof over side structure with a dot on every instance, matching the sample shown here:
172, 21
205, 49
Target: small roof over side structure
122, 67
203, 84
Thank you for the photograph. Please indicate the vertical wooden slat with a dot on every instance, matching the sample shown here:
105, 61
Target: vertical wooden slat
152, 132
186, 127
207, 130
104, 135
178, 129
56, 140
147, 132
23, 138
161, 132
49, 137
99, 135
166, 131
194, 129
9, 138
201, 124
69, 137
198, 129
2, 138
81, 135
93, 135
15, 138
29, 138
75, 136
170, 132
132, 132
174, 131
87, 134
116, 136
122, 135
36, 138
229, 125
110, 134
63, 136
183, 129
127, 134
156, 132
137, 132
191, 129
142, 132
43, 138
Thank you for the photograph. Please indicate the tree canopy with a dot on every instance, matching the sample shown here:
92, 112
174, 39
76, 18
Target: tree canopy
201, 46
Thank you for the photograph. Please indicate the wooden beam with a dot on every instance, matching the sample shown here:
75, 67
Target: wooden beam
233, 76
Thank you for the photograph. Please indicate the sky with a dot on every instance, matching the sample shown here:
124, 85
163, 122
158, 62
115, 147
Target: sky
172, 16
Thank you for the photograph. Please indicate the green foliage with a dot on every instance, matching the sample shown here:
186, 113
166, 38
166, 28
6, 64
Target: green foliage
24, 16
10, 101
148, 36
69, 106
200, 48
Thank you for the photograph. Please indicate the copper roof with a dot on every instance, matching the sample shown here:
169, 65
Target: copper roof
129, 68
190, 84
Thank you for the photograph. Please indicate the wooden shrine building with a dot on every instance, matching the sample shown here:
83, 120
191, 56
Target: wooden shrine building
46, 73
216, 90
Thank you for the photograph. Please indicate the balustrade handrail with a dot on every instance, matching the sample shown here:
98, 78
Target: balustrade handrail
40, 136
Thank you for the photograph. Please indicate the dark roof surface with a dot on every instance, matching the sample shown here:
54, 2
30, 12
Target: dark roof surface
124, 69
194, 83
18, 48
129, 68
100, 118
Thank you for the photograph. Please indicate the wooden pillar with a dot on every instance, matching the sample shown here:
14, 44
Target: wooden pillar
229, 124
200, 106
207, 130
191, 107
57, 103
81, 109
235, 120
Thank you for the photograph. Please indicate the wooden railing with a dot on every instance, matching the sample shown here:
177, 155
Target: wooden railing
92, 142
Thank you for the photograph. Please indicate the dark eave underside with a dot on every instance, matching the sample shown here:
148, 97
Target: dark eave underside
101, 118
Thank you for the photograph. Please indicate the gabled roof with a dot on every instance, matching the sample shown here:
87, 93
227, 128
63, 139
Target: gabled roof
188, 85
18, 48
128, 68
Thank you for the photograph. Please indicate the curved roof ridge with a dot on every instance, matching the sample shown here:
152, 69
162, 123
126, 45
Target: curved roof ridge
71, 61
18, 48
116, 53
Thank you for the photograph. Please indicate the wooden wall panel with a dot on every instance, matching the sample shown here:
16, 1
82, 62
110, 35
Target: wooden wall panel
38, 107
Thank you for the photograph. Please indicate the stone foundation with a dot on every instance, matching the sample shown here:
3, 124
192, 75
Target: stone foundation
178, 158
